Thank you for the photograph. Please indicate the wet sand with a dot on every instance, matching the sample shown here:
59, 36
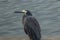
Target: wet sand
26, 38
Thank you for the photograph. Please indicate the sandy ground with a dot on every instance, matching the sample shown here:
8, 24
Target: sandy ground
26, 38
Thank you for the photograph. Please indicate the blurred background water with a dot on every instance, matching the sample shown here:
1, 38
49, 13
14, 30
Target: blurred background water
47, 12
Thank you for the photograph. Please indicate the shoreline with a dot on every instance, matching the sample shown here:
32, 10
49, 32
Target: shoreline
26, 38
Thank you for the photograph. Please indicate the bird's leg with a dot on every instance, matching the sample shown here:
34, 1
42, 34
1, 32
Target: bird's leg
30, 37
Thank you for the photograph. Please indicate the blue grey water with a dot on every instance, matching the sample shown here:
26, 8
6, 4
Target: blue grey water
47, 12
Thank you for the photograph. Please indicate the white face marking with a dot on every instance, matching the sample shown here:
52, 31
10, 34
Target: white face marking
24, 11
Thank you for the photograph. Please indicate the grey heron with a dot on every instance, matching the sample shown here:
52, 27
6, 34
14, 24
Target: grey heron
31, 25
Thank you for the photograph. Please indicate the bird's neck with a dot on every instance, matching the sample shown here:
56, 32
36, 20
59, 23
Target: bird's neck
25, 16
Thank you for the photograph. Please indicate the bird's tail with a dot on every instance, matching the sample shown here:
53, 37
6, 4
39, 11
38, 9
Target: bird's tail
35, 36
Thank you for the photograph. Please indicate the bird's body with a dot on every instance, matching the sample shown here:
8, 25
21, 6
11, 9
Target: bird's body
31, 26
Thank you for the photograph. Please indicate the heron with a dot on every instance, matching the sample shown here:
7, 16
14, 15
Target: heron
31, 25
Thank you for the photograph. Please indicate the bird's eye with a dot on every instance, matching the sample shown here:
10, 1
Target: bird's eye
24, 12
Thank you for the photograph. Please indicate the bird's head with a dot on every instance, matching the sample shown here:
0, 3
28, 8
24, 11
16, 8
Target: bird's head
25, 12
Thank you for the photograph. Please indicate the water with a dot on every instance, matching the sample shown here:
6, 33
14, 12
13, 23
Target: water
47, 12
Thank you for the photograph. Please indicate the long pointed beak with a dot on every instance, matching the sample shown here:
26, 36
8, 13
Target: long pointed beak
18, 12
